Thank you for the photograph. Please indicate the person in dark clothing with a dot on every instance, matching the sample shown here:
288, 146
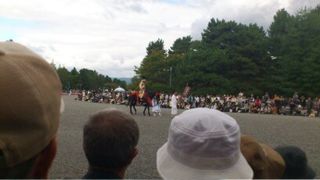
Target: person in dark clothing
110, 139
147, 101
309, 105
132, 101
296, 163
292, 106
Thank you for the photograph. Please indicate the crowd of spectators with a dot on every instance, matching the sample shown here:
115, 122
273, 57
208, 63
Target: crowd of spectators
101, 96
266, 104
202, 143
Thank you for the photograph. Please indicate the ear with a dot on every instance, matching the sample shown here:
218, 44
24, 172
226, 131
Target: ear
133, 154
44, 161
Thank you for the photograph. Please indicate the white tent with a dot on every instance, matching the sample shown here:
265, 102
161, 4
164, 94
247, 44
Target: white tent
119, 89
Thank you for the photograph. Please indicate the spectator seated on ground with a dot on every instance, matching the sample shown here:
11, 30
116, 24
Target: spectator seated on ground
29, 113
110, 138
286, 162
296, 163
203, 144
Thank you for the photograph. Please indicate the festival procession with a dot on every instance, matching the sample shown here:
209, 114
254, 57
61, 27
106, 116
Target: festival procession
160, 89
266, 104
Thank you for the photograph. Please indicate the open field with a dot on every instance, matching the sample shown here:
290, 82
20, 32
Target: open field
272, 129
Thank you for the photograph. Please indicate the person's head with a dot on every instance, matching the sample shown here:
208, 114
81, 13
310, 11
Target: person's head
29, 112
203, 144
265, 162
296, 163
110, 139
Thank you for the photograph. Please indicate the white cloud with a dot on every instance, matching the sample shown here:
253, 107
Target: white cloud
110, 36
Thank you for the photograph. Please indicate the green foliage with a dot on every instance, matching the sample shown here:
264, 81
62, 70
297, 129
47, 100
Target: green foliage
233, 57
134, 83
155, 46
74, 78
87, 79
181, 45
295, 42
64, 77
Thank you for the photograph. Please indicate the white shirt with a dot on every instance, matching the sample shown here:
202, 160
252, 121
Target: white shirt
173, 101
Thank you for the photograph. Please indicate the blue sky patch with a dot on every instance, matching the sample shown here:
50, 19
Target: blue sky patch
175, 1
8, 26
5, 21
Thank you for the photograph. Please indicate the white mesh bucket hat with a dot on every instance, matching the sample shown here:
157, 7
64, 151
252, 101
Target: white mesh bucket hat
203, 144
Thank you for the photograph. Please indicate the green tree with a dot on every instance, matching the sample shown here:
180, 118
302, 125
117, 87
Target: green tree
181, 45
294, 44
155, 46
233, 57
74, 78
154, 66
64, 76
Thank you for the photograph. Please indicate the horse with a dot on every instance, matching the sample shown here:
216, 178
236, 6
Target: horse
132, 101
146, 101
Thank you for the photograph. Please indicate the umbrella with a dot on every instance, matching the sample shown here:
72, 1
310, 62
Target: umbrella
119, 89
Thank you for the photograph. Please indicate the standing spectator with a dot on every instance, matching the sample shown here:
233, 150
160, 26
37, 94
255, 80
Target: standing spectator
292, 105
156, 109
29, 113
295, 97
197, 99
174, 109
318, 106
303, 102
83, 95
309, 105
277, 103
257, 105
110, 138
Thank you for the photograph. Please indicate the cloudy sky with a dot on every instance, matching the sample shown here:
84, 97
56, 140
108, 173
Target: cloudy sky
111, 36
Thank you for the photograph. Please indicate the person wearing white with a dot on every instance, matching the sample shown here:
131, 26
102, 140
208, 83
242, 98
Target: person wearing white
156, 106
174, 109
203, 144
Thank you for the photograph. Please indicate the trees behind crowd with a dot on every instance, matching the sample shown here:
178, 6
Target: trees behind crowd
87, 79
233, 57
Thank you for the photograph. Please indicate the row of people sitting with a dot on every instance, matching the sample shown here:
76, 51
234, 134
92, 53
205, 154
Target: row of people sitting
202, 143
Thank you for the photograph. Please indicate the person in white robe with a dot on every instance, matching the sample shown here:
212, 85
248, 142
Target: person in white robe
174, 109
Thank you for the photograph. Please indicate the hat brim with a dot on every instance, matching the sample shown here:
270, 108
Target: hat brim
169, 168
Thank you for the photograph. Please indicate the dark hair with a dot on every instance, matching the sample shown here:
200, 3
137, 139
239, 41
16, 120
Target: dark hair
110, 138
296, 163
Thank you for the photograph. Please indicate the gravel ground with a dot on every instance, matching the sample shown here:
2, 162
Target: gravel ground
272, 129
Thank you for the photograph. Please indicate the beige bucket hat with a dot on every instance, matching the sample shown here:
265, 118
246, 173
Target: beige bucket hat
30, 92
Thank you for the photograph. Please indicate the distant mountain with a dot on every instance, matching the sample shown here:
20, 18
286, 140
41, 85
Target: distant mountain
127, 80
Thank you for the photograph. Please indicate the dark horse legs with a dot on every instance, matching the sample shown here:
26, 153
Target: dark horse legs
144, 111
134, 108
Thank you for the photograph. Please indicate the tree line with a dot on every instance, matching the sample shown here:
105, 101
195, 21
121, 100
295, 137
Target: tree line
86, 79
233, 57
